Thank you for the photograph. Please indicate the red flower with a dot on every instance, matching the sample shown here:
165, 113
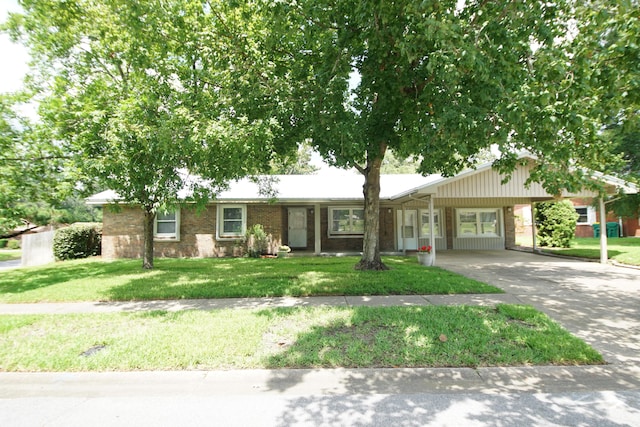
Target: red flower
426, 249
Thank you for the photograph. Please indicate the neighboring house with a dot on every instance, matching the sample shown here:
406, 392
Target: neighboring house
628, 227
473, 210
588, 216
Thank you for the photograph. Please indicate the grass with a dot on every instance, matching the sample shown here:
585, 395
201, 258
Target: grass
10, 254
124, 280
625, 250
326, 337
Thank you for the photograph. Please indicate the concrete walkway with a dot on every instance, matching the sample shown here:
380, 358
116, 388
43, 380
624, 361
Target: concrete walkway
600, 304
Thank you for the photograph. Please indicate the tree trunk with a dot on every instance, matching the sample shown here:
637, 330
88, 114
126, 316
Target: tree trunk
147, 246
371, 243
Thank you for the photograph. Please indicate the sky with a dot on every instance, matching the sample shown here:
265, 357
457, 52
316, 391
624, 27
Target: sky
14, 56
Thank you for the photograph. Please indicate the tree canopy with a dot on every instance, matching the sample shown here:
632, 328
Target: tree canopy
141, 92
441, 81
145, 93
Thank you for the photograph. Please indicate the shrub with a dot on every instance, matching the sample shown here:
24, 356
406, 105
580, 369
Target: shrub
14, 244
77, 241
556, 222
3, 243
257, 241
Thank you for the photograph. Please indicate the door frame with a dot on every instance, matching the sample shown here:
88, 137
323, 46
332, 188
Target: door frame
290, 242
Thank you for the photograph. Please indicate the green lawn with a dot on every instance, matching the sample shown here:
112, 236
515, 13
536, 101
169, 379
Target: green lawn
10, 254
326, 337
625, 250
124, 280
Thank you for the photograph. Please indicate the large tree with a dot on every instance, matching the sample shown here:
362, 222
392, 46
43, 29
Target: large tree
145, 93
33, 179
441, 80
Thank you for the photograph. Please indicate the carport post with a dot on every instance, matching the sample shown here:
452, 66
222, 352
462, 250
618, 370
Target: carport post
432, 240
534, 230
603, 232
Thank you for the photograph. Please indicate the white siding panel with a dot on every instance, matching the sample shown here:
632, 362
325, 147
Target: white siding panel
478, 243
488, 183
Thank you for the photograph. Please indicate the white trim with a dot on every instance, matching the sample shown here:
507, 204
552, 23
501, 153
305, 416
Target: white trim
478, 223
436, 213
163, 237
220, 235
344, 234
591, 214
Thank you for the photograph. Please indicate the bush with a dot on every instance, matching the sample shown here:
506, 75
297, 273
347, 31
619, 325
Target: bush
556, 222
77, 241
14, 244
3, 243
257, 241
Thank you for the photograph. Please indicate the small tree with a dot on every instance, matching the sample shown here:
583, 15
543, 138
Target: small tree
556, 222
257, 241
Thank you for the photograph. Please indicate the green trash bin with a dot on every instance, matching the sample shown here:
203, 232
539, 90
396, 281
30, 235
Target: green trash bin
596, 230
612, 229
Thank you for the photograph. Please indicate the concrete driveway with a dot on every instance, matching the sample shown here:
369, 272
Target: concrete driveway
599, 303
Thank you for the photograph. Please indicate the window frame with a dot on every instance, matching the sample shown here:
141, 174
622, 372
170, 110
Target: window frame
220, 234
350, 232
478, 223
590, 214
175, 236
437, 213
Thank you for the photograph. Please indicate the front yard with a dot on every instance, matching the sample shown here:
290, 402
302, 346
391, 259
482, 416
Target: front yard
124, 280
305, 337
321, 337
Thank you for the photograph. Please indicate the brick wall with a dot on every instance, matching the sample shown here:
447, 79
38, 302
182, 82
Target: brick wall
509, 227
122, 235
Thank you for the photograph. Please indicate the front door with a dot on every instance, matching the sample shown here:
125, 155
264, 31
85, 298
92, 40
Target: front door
298, 227
407, 230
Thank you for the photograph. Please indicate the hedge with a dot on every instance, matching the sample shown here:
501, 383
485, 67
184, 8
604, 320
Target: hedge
77, 241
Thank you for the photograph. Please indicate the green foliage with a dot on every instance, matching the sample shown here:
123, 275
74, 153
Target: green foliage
32, 169
296, 164
13, 244
257, 241
140, 110
77, 241
3, 243
556, 223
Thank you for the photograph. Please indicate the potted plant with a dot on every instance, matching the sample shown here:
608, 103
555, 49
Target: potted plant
425, 257
283, 251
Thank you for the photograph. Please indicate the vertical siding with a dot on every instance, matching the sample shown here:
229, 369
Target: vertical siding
478, 243
489, 184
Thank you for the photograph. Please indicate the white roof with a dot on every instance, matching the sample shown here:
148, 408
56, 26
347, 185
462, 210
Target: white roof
337, 185
321, 187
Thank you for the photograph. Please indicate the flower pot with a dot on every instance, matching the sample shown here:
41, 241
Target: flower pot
425, 258
283, 254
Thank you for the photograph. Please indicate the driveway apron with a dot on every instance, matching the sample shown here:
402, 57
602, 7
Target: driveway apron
599, 303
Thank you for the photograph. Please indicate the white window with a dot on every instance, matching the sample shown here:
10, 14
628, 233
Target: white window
478, 222
425, 229
587, 214
167, 225
232, 221
346, 221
